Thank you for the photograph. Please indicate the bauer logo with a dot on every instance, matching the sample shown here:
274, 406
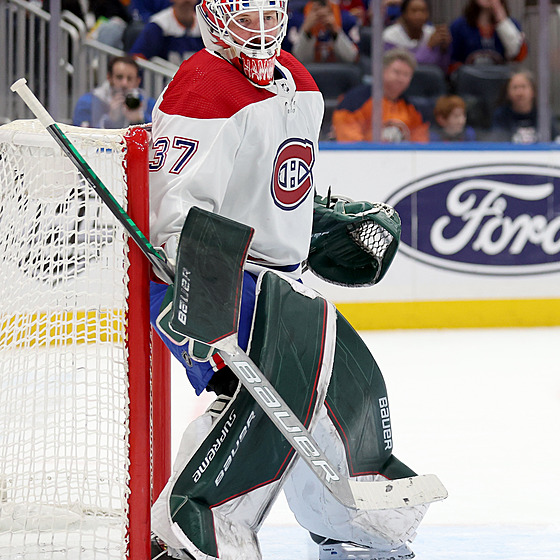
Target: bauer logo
493, 219
183, 302
292, 176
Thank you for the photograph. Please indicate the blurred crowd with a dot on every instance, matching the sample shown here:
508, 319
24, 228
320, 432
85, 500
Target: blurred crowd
460, 80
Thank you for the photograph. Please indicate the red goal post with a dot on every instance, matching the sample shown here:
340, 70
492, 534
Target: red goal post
84, 382
150, 435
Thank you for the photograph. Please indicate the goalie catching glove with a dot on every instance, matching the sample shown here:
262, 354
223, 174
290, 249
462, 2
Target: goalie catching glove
352, 243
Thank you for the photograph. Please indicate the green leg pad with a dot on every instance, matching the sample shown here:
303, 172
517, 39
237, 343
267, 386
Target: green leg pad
359, 409
244, 450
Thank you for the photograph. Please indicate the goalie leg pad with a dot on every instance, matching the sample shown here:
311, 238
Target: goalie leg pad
358, 406
354, 429
225, 481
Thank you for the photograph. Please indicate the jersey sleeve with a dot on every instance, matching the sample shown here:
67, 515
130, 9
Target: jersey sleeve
512, 39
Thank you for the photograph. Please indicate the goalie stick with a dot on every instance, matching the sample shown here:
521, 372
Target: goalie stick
368, 495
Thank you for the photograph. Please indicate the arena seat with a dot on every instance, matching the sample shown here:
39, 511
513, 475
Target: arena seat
481, 86
428, 83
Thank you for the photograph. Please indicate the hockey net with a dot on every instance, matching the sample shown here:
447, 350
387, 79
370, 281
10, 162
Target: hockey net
78, 363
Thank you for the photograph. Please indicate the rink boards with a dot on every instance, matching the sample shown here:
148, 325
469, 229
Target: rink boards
480, 243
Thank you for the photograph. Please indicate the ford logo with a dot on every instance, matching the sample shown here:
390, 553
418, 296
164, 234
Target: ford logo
491, 219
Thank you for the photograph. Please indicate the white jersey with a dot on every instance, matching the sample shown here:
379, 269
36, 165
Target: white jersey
244, 152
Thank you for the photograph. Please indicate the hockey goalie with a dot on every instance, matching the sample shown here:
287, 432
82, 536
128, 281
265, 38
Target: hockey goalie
234, 141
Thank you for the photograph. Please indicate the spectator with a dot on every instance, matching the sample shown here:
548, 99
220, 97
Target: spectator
171, 34
143, 10
325, 33
140, 12
450, 114
391, 12
352, 119
428, 43
516, 119
486, 34
356, 8
111, 19
118, 102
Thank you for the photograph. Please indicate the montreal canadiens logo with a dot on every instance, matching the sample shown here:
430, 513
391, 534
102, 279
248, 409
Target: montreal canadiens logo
292, 176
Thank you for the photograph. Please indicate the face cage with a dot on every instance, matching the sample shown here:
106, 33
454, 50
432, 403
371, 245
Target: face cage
263, 43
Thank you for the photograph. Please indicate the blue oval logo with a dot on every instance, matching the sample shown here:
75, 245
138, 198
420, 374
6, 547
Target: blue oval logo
491, 219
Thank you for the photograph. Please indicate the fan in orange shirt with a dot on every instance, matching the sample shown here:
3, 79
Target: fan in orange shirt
352, 120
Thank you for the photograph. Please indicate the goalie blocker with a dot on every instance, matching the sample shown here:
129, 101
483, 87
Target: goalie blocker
233, 461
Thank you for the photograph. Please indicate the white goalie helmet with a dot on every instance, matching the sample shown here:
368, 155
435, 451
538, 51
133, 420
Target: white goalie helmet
248, 33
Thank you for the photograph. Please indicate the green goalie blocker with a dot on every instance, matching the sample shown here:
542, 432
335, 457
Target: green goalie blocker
353, 243
210, 265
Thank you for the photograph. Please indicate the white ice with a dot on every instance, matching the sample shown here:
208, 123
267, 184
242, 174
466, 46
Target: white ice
481, 409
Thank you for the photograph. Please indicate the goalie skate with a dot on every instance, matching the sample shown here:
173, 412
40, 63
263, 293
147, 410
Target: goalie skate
348, 551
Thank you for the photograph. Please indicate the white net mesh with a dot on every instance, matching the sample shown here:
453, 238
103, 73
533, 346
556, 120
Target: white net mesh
63, 360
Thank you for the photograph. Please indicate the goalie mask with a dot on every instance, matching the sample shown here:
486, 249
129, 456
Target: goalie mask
247, 33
